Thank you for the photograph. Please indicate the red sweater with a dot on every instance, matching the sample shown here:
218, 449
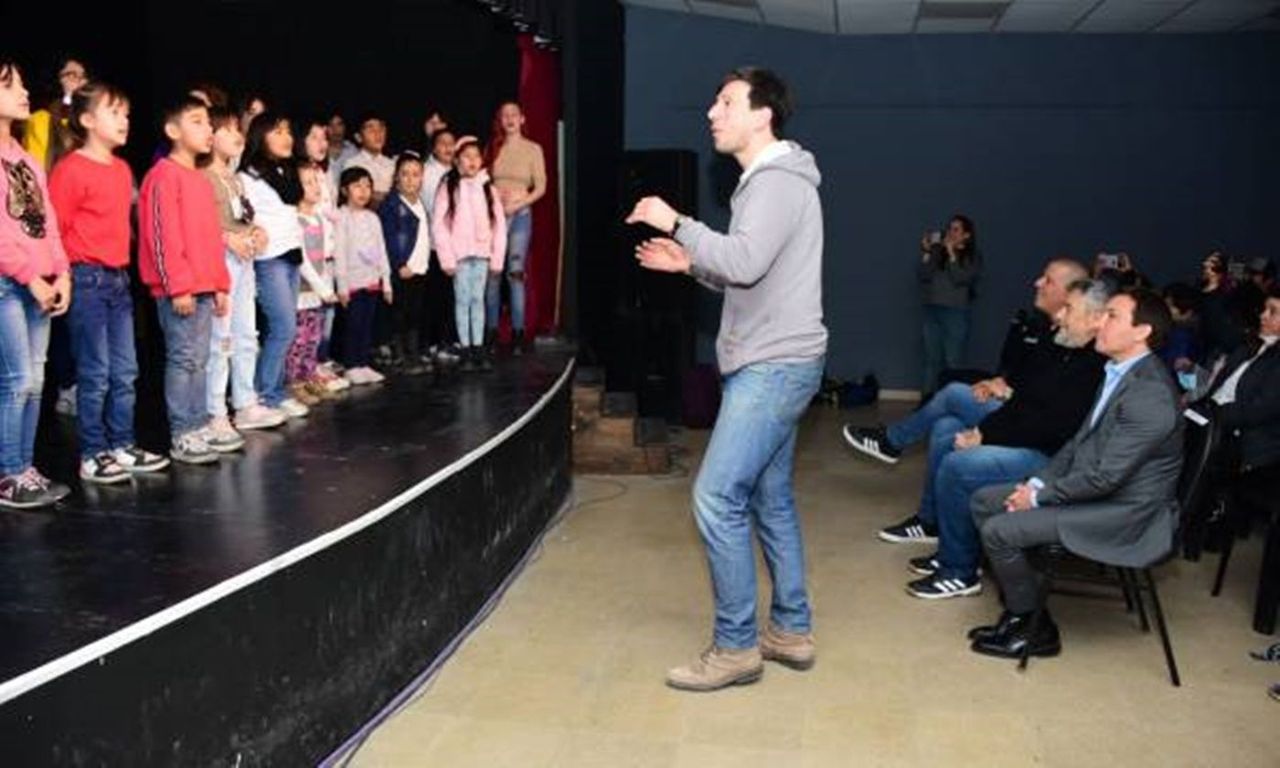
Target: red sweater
92, 200
179, 239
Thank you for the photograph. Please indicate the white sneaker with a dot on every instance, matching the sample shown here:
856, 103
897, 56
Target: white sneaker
103, 469
258, 416
293, 409
355, 376
221, 436
373, 377
337, 384
192, 449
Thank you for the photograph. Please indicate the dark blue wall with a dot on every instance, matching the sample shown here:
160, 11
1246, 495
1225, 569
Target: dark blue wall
1158, 145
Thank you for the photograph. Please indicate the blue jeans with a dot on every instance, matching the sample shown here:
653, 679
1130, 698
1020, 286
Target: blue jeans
102, 343
519, 232
278, 298
24, 343
186, 356
233, 346
962, 473
468, 299
745, 478
952, 410
946, 331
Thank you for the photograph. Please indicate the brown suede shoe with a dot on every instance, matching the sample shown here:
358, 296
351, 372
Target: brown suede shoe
718, 668
787, 648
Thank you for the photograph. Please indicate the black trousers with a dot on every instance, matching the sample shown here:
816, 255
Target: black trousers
441, 328
408, 312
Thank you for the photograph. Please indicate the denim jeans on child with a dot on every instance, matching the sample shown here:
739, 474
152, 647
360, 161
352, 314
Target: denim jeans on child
233, 348
468, 293
745, 482
102, 343
514, 269
960, 474
953, 409
24, 343
278, 297
186, 357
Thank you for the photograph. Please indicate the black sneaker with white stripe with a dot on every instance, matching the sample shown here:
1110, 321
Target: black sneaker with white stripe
924, 566
913, 530
103, 469
937, 588
871, 441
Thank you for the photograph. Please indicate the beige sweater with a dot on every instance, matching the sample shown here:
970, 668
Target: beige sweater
520, 167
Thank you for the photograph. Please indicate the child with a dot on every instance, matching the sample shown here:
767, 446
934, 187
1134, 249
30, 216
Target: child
180, 257
441, 333
92, 191
315, 147
233, 354
361, 270
316, 292
405, 230
35, 283
471, 241
271, 184
382, 169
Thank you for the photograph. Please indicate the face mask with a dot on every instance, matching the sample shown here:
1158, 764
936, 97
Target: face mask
1187, 380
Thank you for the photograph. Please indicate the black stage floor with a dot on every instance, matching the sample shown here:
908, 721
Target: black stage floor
109, 557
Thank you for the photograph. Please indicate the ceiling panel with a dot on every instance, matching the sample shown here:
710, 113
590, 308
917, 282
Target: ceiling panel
860, 17
813, 15
1041, 16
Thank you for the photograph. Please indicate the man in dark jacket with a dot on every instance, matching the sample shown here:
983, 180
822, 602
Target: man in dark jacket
1109, 494
1052, 392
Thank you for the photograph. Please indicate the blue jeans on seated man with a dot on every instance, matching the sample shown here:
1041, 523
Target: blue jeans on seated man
102, 343
745, 479
959, 475
953, 409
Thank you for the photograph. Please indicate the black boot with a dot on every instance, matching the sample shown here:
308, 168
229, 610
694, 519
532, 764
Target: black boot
1019, 637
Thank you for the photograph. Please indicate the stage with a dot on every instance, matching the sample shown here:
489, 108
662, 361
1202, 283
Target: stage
263, 609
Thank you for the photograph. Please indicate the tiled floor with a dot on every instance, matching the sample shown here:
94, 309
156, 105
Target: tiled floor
568, 670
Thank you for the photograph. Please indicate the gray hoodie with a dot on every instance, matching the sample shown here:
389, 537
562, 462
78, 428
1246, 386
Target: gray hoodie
769, 265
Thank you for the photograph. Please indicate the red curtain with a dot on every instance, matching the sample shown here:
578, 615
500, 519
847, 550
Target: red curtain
540, 100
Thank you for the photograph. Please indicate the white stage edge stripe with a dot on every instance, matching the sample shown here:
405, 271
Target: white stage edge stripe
15, 687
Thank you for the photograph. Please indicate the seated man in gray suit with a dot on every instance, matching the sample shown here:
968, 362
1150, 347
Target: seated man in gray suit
1109, 494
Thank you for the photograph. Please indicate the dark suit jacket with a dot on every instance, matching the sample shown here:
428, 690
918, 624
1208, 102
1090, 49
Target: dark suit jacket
1254, 417
1115, 483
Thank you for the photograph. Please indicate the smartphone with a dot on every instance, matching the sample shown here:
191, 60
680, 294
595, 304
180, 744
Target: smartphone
935, 236
1109, 260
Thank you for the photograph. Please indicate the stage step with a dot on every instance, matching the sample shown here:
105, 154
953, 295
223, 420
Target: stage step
608, 438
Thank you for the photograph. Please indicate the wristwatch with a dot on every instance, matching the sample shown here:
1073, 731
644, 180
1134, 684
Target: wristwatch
680, 219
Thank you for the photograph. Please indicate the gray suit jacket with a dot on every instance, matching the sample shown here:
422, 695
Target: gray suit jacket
1115, 484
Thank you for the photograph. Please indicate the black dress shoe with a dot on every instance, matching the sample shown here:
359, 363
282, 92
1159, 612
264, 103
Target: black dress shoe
1010, 645
1006, 621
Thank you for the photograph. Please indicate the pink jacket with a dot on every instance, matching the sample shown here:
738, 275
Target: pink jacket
23, 183
470, 234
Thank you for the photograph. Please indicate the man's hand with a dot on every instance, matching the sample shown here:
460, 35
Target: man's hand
662, 254
61, 295
1020, 499
981, 391
989, 388
221, 304
655, 212
969, 438
184, 305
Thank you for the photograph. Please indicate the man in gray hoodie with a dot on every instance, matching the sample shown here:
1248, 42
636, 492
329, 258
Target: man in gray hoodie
771, 350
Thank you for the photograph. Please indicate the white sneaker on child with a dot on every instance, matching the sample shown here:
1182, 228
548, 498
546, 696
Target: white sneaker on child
293, 409
258, 416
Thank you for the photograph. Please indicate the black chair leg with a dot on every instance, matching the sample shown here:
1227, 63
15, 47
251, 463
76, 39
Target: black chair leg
1164, 630
1135, 585
1228, 544
1125, 590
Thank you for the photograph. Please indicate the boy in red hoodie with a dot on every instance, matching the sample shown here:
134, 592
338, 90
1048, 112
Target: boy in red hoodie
180, 259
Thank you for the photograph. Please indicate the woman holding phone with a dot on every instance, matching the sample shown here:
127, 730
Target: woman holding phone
948, 270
